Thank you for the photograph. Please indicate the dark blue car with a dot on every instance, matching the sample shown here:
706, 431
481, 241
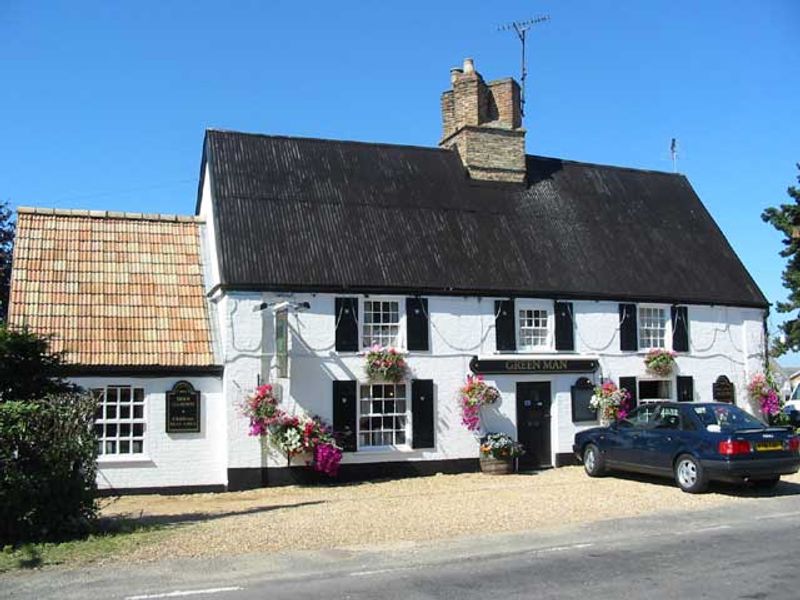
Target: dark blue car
693, 442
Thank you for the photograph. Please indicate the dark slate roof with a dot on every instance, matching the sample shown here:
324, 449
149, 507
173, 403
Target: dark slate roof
321, 215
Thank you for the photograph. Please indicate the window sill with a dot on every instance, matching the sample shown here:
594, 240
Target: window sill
385, 450
121, 461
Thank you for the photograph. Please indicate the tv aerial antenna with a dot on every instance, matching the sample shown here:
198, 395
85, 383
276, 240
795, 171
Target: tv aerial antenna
521, 28
673, 152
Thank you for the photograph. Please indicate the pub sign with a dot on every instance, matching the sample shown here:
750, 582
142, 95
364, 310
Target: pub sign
525, 365
183, 409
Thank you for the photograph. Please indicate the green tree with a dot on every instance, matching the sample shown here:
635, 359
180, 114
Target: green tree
786, 219
29, 369
7, 229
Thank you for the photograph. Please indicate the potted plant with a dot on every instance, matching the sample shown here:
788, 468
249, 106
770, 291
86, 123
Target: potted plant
609, 402
660, 362
473, 395
388, 364
497, 454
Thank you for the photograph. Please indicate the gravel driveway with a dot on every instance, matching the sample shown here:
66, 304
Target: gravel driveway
405, 510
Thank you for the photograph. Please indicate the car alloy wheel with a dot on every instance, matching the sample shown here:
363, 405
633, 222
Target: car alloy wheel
590, 460
690, 475
687, 473
593, 462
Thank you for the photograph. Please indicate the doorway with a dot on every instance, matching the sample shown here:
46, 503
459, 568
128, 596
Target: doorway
533, 424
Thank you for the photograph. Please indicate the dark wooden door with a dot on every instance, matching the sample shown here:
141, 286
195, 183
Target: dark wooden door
533, 424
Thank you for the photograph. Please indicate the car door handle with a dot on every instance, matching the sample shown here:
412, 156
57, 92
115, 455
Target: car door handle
669, 438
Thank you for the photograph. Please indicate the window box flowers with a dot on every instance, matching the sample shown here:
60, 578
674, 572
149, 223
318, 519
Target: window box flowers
388, 364
473, 395
497, 453
610, 402
660, 362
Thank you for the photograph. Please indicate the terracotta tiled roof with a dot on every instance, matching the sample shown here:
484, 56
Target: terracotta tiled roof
114, 289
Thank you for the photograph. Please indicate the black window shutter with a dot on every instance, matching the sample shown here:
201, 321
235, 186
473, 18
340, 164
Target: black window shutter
565, 334
346, 315
422, 413
344, 414
628, 332
680, 329
417, 323
629, 383
685, 389
504, 325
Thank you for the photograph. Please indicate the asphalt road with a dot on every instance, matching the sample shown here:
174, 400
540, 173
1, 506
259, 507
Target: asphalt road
748, 552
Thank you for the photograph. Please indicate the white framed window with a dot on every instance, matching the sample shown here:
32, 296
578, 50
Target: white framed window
653, 390
383, 417
381, 323
120, 421
534, 327
652, 327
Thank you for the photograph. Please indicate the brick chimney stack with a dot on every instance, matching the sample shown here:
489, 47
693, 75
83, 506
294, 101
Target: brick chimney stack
483, 123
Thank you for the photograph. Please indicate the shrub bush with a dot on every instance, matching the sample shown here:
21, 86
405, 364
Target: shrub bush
47, 468
29, 369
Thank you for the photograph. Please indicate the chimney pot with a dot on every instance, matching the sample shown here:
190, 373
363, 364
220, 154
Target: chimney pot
454, 73
469, 66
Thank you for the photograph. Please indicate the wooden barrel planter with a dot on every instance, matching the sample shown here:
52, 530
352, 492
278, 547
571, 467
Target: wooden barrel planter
496, 466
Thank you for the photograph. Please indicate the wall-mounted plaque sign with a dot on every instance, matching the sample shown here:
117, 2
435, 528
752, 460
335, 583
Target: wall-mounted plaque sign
723, 390
527, 365
183, 409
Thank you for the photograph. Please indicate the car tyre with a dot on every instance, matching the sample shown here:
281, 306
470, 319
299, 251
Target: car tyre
690, 475
766, 484
593, 462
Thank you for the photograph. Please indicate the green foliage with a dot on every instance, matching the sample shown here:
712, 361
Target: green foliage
7, 229
47, 468
28, 368
786, 219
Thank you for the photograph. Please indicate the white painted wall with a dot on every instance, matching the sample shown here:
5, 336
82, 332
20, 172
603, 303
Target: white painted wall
170, 459
723, 340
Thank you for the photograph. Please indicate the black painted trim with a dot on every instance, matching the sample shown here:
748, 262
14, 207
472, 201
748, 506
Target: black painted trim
417, 337
552, 295
346, 315
163, 491
250, 478
142, 370
628, 328
565, 328
566, 459
505, 326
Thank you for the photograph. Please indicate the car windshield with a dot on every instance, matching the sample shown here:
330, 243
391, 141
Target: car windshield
726, 417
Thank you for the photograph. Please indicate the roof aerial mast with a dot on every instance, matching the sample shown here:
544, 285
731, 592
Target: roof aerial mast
521, 29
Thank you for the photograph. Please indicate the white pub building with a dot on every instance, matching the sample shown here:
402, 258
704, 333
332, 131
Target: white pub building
545, 275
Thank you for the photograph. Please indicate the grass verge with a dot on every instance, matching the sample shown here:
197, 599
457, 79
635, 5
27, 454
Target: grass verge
112, 538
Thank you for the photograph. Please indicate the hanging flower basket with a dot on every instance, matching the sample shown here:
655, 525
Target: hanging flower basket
474, 394
388, 364
293, 435
762, 390
610, 402
660, 362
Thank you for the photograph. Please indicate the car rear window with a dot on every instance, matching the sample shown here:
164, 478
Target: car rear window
726, 417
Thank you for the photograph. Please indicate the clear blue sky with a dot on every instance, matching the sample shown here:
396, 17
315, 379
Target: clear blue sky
104, 104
